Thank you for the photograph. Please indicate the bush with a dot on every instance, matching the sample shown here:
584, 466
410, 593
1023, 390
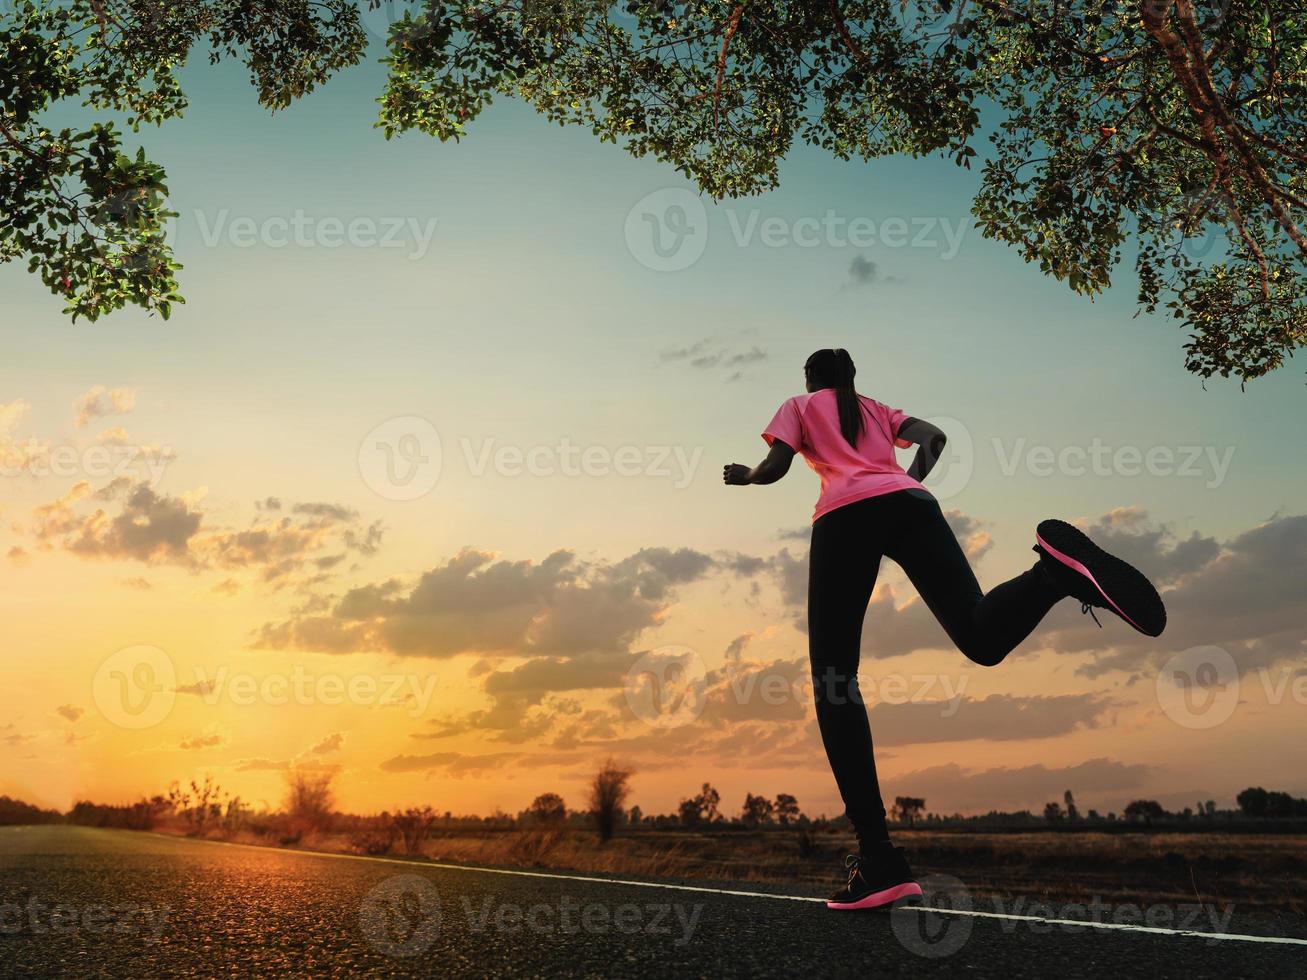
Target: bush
376, 839
413, 826
309, 802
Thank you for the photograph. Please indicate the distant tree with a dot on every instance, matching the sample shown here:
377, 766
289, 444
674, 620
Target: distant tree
17, 812
1053, 812
636, 816
787, 809
1253, 801
309, 800
757, 810
908, 808
547, 808
1272, 804
1072, 814
1210, 809
608, 793
701, 808
1145, 810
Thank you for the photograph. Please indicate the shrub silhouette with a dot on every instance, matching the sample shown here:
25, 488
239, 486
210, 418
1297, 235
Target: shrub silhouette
608, 793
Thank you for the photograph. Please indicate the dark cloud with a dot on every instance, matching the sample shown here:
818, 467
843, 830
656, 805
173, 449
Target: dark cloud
558, 609
209, 740
148, 527
451, 763
735, 649
130, 521
332, 743
864, 272
999, 717
711, 354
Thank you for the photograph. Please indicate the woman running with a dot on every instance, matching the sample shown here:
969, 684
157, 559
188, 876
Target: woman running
869, 507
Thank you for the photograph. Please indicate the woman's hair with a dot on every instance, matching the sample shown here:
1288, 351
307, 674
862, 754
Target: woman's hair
833, 368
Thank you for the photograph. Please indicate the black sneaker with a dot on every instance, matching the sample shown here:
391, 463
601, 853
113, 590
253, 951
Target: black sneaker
876, 882
1088, 573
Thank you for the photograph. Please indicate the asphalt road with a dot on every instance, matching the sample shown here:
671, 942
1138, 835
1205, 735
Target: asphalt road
81, 902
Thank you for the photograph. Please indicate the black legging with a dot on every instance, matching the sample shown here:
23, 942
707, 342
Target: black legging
847, 544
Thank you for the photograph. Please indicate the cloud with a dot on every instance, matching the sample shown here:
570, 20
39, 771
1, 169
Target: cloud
257, 764
569, 624
999, 717
332, 743
15, 455
18, 556
711, 354
70, 711
864, 272
951, 788
138, 583
213, 738
127, 520
101, 401
558, 609
735, 649
148, 527
451, 763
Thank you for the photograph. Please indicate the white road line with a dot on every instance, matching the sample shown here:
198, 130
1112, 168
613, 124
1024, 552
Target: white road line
738, 893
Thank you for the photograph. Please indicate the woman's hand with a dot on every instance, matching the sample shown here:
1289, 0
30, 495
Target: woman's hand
771, 469
737, 475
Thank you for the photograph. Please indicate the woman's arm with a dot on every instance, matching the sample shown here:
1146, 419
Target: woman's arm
930, 442
771, 469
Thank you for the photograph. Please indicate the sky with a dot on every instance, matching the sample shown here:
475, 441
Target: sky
422, 488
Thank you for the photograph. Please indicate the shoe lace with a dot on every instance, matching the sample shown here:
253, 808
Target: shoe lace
854, 863
1087, 608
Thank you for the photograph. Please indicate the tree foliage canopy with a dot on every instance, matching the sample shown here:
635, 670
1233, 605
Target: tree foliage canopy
1169, 133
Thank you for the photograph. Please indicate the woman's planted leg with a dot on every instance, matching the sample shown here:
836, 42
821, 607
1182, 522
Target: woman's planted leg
842, 568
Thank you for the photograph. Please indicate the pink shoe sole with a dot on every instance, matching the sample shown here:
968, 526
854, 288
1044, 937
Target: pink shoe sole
881, 898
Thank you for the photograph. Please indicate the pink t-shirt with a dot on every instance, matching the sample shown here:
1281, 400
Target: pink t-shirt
810, 425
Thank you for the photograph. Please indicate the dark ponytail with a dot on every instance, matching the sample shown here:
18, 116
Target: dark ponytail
834, 369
